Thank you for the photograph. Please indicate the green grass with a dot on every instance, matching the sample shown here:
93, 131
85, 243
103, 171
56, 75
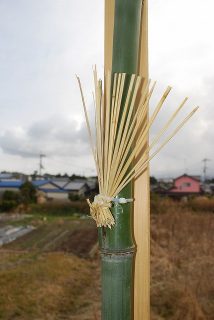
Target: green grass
60, 208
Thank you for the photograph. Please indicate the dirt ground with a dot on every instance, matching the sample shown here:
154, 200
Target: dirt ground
54, 272
50, 273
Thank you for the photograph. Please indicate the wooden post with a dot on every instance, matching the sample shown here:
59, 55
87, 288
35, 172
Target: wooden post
142, 205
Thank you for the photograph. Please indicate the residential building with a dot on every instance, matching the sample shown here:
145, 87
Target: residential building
185, 185
12, 185
79, 188
50, 190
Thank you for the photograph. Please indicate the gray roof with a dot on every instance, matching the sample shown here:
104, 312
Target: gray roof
60, 183
92, 184
73, 185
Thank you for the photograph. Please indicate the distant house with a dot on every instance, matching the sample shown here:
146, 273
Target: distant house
5, 176
79, 188
60, 182
165, 180
8, 176
12, 185
50, 189
55, 189
92, 182
185, 185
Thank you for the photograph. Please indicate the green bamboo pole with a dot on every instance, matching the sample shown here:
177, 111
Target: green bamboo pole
117, 247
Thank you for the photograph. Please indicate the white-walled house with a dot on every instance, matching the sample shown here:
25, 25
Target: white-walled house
51, 190
77, 188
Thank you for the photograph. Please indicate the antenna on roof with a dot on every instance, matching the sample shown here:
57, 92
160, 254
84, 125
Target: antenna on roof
41, 156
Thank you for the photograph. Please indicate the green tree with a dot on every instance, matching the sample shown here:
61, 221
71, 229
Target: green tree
10, 200
153, 180
28, 193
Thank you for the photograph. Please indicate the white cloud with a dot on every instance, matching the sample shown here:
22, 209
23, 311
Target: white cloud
45, 43
52, 136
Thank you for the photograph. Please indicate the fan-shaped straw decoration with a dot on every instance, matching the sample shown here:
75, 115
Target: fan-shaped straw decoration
121, 132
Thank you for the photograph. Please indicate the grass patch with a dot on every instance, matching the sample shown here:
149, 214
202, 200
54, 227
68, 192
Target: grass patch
182, 265
60, 208
42, 286
39, 280
43, 283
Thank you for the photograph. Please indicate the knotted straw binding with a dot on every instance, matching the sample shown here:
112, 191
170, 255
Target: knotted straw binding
120, 151
100, 209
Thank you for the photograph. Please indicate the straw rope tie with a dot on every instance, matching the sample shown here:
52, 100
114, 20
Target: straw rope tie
100, 209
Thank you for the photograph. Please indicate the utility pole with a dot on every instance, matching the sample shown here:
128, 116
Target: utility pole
205, 160
41, 156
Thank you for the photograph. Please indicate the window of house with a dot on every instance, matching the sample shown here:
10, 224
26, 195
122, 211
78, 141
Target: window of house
186, 184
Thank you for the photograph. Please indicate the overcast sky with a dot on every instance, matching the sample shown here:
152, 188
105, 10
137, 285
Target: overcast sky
44, 43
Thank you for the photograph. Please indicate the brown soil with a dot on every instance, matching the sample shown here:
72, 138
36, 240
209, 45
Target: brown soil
79, 242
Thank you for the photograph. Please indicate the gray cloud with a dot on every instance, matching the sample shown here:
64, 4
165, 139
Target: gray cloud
45, 43
194, 142
55, 136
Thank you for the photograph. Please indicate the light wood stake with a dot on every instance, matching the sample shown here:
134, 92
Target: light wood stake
142, 205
